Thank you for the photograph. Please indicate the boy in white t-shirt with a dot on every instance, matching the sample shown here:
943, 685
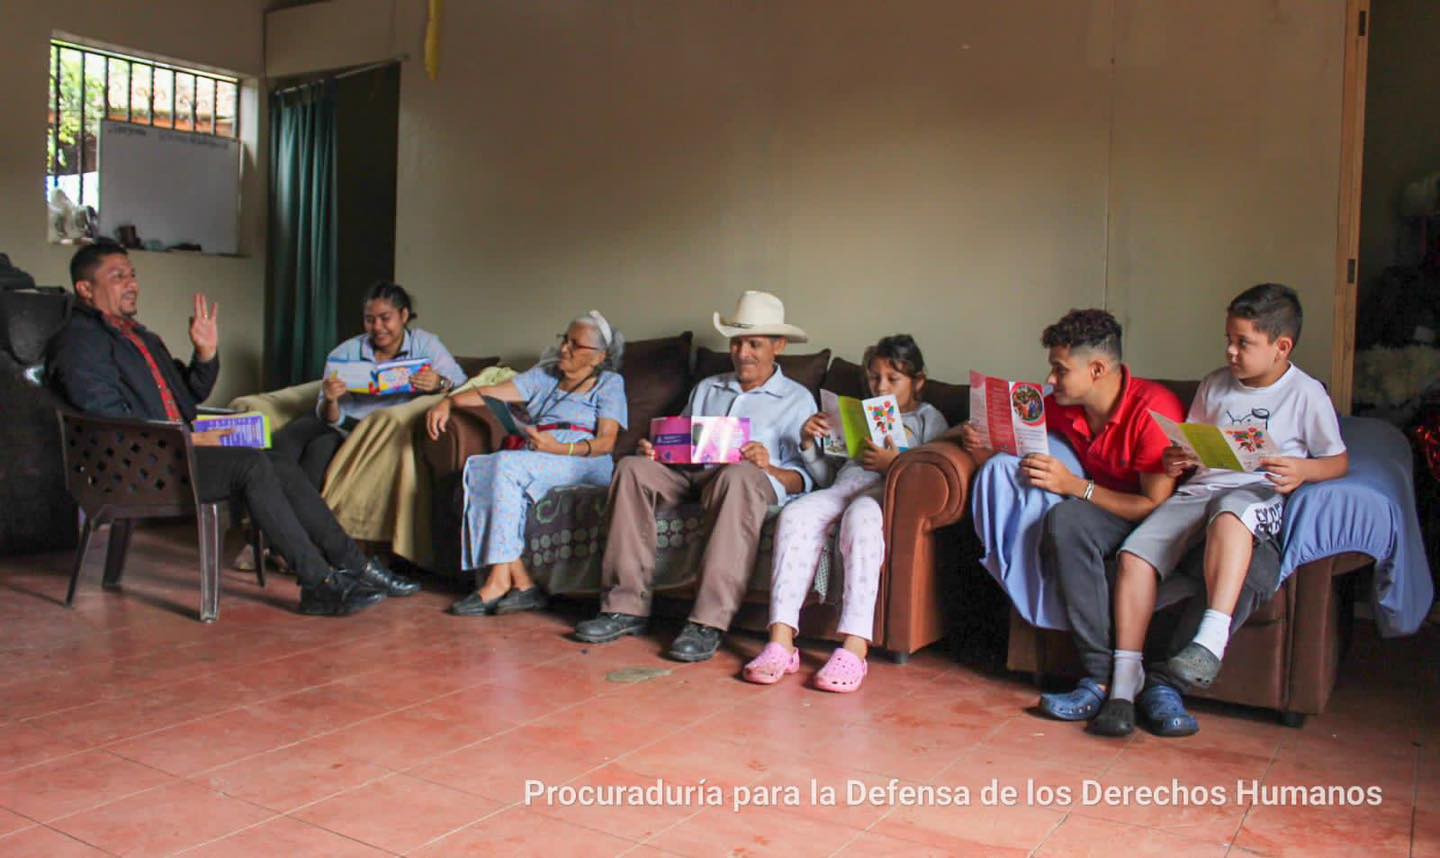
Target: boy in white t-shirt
1236, 514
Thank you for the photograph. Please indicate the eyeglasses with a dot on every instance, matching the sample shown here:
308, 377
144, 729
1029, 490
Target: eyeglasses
574, 346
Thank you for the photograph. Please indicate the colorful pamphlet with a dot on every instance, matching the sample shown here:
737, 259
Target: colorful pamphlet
699, 440
854, 421
512, 416
247, 428
393, 377
1010, 415
357, 374
364, 378
1226, 448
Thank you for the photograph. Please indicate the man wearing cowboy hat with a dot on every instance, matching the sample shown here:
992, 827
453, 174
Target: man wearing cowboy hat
735, 497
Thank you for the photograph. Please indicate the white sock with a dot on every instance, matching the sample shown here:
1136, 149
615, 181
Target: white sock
1214, 632
1129, 675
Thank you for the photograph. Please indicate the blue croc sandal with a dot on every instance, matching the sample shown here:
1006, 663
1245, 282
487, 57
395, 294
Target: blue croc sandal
1082, 704
1162, 709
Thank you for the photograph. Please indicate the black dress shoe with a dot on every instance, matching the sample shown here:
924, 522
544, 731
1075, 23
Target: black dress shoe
609, 627
474, 606
339, 595
516, 601
377, 575
695, 643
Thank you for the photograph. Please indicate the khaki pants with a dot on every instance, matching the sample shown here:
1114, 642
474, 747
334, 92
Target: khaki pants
735, 499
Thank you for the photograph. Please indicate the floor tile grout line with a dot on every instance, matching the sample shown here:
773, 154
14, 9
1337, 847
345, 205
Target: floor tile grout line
70, 836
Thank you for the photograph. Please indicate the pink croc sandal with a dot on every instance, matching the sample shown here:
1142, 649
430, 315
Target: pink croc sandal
771, 665
843, 673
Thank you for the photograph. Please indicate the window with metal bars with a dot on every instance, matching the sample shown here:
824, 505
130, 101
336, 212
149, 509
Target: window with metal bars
90, 84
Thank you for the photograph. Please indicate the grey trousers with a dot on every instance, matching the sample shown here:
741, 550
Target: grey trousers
1078, 547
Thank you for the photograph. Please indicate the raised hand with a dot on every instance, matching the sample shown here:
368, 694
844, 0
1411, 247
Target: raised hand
204, 328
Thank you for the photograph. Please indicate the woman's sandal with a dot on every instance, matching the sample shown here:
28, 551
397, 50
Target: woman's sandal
843, 672
772, 664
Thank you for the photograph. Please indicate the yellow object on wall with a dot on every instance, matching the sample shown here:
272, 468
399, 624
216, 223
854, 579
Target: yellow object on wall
432, 39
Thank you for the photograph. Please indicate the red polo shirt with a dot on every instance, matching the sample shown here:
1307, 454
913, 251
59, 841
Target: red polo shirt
1130, 444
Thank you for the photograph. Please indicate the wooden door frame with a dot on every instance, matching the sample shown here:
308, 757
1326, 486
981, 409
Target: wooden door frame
1347, 246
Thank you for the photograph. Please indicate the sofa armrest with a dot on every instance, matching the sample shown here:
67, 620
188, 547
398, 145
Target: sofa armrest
1315, 633
927, 489
283, 405
936, 480
472, 431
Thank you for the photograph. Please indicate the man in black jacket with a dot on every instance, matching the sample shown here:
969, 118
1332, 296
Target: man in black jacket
104, 362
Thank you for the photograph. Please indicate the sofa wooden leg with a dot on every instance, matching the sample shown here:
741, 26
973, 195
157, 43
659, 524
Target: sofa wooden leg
900, 658
1292, 719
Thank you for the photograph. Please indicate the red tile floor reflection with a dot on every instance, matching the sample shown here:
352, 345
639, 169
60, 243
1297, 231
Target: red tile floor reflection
128, 728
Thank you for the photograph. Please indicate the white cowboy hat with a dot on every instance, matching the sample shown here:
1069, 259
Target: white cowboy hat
758, 314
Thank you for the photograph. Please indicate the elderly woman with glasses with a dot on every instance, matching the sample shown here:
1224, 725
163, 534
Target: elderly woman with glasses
576, 402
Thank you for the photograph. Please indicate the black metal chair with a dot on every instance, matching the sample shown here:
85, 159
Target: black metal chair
120, 470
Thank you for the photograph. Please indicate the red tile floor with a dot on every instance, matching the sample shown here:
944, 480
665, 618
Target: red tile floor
126, 727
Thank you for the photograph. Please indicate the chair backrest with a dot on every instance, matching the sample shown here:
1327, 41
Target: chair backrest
122, 468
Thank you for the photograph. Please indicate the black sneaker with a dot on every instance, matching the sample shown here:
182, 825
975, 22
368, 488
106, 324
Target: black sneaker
609, 627
339, 595
378, 576
695, 643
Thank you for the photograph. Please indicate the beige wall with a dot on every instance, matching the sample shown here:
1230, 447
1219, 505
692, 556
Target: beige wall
1225, 171
961, 169
225, 34
1402, 126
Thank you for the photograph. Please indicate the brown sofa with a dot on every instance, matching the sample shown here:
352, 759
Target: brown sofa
566, 531
1285, 658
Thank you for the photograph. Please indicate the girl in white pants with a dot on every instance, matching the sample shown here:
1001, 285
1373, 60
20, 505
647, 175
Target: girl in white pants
894, 367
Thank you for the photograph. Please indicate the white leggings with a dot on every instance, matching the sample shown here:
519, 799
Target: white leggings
805, 526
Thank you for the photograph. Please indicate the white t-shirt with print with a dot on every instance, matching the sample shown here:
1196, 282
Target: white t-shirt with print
1295, 410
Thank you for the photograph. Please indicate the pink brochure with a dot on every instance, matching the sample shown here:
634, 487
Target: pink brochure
699, 440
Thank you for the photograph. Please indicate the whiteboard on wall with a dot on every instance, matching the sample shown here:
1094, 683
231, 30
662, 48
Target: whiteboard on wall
172, 186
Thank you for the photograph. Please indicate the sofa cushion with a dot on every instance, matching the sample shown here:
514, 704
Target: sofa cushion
808, 369
846, 379
1185, 390
657, 380
473, 365
953, 400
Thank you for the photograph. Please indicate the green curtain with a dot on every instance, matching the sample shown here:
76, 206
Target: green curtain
303, 267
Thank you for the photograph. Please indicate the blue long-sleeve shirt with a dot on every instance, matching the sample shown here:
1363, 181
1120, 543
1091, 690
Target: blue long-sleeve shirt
418, 343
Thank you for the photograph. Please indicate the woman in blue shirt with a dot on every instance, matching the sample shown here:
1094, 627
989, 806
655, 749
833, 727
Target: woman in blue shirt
313, 440
576, 402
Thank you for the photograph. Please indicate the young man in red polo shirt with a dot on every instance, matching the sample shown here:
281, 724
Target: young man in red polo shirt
1103, 412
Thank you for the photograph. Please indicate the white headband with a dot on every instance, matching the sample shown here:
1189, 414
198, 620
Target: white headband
602, 325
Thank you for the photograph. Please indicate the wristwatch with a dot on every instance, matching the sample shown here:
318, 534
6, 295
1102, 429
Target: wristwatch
1089, 490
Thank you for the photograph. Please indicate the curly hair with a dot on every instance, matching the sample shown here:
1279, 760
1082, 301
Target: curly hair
1273, 309
1096, 330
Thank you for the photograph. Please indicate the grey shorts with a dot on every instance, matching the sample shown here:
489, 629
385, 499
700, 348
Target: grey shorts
1179, 524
